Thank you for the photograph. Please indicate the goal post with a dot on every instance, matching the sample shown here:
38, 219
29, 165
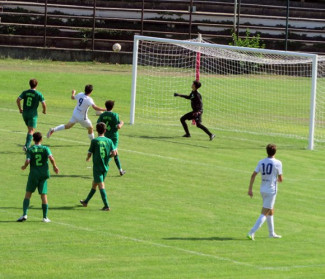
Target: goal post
244, 89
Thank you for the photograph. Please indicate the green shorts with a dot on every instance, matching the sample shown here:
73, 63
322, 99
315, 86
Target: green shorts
30, 121
36, 182
115, 141
99, 176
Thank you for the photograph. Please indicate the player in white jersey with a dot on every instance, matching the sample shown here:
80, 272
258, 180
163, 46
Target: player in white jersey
80, 113
271, 172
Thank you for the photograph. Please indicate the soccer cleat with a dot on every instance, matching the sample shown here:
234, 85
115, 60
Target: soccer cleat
22, 218
106, 208
212, 136
122, 172
84, 204
275, 236
50, 132
46, 220
250, 236
187, 136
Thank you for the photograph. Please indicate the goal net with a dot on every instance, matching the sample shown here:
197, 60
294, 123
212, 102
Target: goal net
248, 90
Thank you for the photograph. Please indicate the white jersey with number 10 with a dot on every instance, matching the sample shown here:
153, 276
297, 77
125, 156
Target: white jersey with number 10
270, 169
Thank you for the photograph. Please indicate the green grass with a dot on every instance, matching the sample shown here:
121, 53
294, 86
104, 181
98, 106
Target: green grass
182, 209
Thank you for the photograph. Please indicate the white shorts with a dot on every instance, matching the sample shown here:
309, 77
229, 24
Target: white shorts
86, 123
268, 200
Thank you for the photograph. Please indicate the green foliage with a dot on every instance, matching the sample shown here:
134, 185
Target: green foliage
248, 41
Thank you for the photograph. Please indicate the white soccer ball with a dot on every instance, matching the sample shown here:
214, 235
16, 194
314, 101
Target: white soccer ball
117, 47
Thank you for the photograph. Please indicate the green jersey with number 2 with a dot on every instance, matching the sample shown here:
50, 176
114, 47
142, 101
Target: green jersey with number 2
111, 119
38, 156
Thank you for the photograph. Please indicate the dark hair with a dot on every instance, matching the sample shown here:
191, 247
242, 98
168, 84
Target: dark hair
271, 149
88, 89
33, 83
37, 137
100, 128
197, 84
109, 104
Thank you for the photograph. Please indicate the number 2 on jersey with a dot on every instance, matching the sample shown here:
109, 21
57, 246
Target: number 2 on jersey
38, 158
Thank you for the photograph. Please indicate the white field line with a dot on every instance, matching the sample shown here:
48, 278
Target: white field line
169, 246
86, 143
186, 251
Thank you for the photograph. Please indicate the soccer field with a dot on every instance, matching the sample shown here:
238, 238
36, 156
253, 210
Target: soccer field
180, 211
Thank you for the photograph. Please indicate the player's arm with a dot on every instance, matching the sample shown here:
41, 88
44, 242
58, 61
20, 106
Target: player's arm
44, 107
251, 183
98, 108
183, 96
119, 125
88, 156
113, 153
19, 104
55, 168
73, 94
26, 164
280, 178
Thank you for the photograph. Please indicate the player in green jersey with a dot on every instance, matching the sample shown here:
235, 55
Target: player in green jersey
101, 148
113, 124
37, 157
31, 98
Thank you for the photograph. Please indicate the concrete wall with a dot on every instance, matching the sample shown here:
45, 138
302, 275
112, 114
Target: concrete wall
65, 55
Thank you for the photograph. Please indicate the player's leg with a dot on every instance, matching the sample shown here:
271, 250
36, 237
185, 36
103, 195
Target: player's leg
198, 121
260, 220
117, 158
187, 116
31, 123
103, 194
86, 123
91, 133
26, 201
269, 211
61, 127
29, 137
42, 190
91, 193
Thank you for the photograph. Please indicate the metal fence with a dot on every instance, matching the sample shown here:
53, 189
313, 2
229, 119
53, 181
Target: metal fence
95, 25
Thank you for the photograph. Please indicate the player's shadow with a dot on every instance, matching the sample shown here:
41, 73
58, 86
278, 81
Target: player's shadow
213, 238
167, 139
71, 175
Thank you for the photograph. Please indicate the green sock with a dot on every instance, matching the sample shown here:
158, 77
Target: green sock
25, 206
104, 197
90, 195
28, 140
117, 162
45, 208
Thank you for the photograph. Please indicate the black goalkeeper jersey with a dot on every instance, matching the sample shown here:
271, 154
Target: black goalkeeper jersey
196, 101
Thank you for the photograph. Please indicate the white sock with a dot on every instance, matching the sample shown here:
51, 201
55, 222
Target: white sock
258, 223
270, 223
59, 128
91, 136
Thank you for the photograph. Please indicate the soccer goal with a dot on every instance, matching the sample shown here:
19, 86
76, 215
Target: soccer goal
257, 91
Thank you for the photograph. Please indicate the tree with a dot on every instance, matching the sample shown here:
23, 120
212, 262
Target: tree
248, 41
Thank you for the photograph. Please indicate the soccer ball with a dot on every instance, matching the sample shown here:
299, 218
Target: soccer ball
117, 47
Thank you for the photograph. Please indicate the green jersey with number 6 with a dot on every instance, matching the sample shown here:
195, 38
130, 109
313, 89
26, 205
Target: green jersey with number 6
111, 119
101, 148
31, 98
38, 156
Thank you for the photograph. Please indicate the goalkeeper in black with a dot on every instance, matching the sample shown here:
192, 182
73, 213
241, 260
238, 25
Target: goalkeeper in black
196, 114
